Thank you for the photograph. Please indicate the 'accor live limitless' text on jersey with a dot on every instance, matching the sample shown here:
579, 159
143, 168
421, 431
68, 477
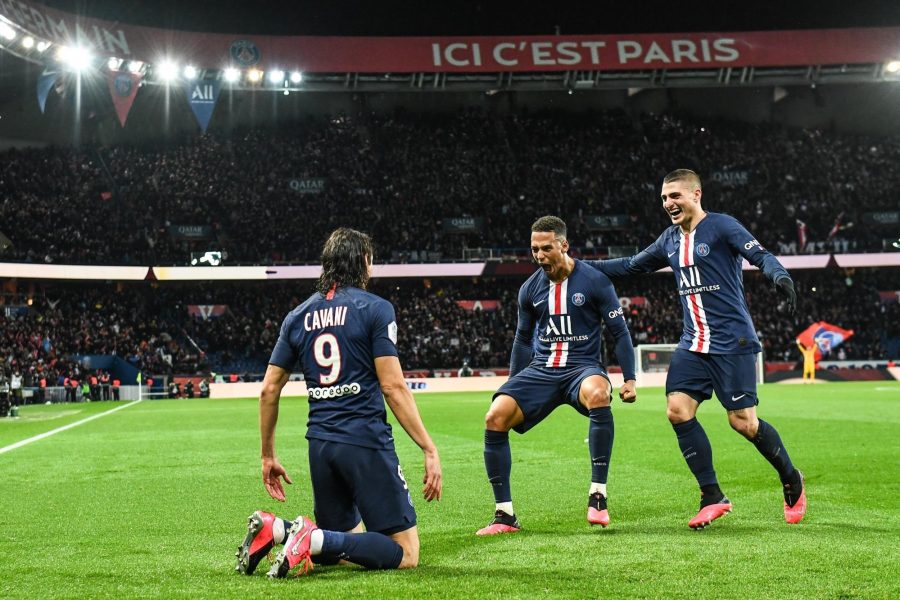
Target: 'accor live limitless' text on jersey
562, 321
707, 265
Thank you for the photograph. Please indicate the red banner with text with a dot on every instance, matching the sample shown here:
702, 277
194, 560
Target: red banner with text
461, 54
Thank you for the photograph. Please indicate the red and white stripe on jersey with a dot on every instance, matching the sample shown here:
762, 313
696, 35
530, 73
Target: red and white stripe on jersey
700, 341
556, 304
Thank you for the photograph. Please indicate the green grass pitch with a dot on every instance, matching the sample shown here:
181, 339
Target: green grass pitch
151, 502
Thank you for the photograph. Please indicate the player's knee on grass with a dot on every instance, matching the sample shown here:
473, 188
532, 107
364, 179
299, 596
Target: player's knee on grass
409, 541
744, 422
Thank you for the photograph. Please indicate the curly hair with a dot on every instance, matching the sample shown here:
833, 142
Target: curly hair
345, 260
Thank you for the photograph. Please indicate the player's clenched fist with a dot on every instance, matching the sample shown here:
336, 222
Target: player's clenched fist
627, 392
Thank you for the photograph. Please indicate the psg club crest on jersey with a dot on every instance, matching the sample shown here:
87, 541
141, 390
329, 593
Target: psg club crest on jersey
245, 53
578, 299
702, 249
122, 85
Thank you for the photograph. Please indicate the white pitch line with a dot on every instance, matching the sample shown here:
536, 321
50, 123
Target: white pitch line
64, 427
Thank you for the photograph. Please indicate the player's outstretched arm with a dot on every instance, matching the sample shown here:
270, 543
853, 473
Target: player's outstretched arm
272, 471
645, 261
403, 405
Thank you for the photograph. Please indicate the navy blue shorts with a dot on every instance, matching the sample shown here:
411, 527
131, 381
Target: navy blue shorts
539, 390
731, 376
352, 484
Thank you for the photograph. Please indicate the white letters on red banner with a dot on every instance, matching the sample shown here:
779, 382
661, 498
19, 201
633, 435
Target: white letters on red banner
461, 54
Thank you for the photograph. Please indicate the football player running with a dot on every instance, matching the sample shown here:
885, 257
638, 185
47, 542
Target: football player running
718, 348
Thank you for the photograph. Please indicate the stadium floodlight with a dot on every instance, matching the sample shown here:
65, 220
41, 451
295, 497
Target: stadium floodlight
28, 42
41, 46
113, 63
296, 77
135, 66
893, 66
276, 76
77, 58
232, 75
190, 72
254, 75
168, 70
7, 32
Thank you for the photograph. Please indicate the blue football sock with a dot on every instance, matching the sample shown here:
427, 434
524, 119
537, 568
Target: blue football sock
696, 451
498, 463
769, 444
369, 550
600, 442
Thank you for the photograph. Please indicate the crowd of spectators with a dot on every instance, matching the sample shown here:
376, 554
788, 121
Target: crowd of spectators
401, 176
150, 324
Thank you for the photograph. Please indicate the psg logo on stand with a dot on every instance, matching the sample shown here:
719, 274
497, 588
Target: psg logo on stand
702, 249
245, 53
578, 299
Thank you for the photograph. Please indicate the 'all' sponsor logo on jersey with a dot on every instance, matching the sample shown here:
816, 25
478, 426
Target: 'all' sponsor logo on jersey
562, 327
690, 277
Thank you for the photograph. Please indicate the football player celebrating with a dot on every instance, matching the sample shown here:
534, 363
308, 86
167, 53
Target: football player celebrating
717, 351
345, 340
556, 360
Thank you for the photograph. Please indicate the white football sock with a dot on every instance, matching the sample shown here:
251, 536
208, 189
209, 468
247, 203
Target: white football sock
316, 539
278, 534
598, 487
505, 507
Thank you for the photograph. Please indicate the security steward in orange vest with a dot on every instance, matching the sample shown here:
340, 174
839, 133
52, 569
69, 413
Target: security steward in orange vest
104, 385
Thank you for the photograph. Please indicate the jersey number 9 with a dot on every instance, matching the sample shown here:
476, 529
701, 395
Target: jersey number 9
328, 356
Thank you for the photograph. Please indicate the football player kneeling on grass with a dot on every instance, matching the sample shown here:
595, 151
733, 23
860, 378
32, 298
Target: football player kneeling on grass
346, 342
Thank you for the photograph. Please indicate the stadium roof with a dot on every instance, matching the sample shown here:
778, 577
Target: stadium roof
485, 17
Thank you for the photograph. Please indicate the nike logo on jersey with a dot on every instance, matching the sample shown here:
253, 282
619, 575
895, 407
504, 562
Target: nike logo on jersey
672, 253
736, 398
541, 302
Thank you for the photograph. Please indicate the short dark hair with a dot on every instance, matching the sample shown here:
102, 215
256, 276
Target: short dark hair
550, 223
345, 260
683, 175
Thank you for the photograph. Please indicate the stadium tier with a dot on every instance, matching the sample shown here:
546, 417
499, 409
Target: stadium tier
440, 188
190, 328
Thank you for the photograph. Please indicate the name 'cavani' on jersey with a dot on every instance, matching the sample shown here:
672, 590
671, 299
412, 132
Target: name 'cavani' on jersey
337, 339
707, 265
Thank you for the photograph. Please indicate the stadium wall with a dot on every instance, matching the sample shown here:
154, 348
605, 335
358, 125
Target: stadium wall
417, 385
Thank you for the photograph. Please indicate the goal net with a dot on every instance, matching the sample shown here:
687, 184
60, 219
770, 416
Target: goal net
653, 363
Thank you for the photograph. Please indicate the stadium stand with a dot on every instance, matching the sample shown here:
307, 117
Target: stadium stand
398, 176
151, 325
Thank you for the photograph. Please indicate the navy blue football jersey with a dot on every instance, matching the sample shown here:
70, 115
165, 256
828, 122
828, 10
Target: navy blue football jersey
709, 279
562, 321
337, 341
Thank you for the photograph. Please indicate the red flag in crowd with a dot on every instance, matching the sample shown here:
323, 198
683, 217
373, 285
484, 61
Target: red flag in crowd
825, 336
837, 226
801, 235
